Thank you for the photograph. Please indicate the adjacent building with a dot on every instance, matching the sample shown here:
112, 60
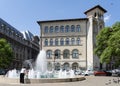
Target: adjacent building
24, 44
69, 43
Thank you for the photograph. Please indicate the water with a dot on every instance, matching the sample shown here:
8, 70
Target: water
13, 73
28, 62
40, 70
41, 62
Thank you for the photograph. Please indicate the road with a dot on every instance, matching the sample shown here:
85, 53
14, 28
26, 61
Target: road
90, 81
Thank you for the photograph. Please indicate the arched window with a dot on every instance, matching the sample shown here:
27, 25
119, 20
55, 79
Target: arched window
49, 54
66, 66
61, 29
57, 54
72, 28
74, 66
73, 41
49, 66
51, 42
57, 66
51, 29
67, 41
75, 54
46, 29
56, 41
46, 42
61, 41
78, 41
78, 29
67, 28
66, 54
56, 29
95, 15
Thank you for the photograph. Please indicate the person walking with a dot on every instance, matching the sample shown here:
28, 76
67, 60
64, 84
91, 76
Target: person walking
22, 74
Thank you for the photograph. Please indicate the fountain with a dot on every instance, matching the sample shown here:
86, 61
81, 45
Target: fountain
41, 63
40, 74
13, 73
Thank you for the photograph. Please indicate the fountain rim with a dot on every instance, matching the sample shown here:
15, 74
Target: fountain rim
42, 80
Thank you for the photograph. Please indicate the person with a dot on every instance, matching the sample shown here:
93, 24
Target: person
22, 74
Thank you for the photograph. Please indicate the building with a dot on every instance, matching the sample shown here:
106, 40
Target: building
69, 43
25, 46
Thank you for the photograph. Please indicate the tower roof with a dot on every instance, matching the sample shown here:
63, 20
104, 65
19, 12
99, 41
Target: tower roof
97, 6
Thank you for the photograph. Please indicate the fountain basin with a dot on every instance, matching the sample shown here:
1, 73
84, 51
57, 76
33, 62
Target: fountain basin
42, 80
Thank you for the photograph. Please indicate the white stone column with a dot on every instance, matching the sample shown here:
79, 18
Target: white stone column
90, 43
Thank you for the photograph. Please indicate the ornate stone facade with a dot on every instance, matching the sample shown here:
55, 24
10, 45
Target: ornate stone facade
69, 43
23, 48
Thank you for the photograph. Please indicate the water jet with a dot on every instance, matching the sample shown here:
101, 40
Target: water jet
40, 74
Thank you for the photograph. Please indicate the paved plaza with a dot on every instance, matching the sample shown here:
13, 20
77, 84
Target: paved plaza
90, 81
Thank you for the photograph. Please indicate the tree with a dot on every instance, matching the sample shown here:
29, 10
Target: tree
108, 44
102, 44
6, 54
114, 43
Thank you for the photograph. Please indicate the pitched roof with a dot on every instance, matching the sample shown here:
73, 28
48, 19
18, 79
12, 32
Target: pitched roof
97, 6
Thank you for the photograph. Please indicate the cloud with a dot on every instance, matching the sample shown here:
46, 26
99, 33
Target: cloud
107, 18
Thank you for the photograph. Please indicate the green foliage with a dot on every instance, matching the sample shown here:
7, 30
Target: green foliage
114, 42
102, 41
105, 56
108, 44
116, 27
6, 54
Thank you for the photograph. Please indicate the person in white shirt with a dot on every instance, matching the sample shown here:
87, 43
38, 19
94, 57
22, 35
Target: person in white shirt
22, 74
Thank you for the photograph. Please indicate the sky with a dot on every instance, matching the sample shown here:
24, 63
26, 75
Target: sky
24, 14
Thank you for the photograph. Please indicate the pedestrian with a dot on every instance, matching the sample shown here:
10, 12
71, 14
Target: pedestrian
22, 74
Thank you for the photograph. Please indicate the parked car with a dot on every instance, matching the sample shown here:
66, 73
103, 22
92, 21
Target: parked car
115, 72
102, 73
108, 73
88, 72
